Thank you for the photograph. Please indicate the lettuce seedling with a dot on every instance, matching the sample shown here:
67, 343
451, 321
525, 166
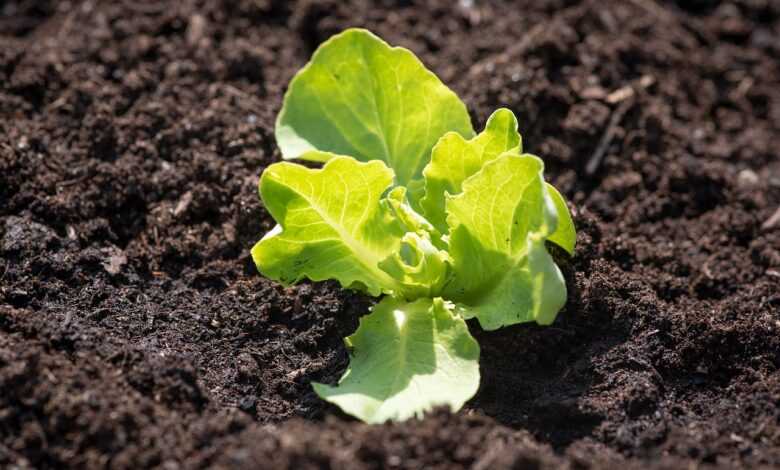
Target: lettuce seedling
413, 206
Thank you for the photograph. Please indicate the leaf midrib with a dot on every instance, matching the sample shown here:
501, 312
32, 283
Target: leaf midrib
353, 244
401, 365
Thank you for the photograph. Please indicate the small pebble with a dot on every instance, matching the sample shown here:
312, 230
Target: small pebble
23, 143
248, 404
747, 179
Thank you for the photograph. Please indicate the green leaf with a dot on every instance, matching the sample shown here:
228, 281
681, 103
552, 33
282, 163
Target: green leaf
454, 159
331, 224
406, 359
412, 220
360, 97
415, 193
419, 267
502, 274
421, 264
564, 236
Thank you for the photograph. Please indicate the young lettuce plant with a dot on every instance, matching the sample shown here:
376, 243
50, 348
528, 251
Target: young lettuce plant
412, 206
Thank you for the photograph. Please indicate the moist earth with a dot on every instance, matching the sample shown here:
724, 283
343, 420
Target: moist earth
135, 331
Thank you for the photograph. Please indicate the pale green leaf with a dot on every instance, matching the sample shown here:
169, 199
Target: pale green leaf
406, 359
331, 224
502, 274
421, 264
415, 193
360, 97
564, 236
454, 159
420, 268
412, 220
532, 289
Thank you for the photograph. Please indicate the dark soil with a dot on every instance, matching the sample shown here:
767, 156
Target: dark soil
135, 331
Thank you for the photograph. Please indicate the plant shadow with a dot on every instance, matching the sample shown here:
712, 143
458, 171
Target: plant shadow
543, 378
548, 380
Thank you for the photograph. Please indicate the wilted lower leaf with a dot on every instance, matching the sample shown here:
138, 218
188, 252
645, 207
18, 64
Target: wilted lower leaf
406, 359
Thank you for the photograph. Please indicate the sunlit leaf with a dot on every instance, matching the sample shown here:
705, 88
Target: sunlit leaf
454, 159
420, 267
360, 97
502, 273
564, 236
406, 359
331, 224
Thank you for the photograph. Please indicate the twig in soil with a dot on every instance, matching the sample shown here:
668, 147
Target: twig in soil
772, 221
513, 51
609, 134
71, 182
629, 91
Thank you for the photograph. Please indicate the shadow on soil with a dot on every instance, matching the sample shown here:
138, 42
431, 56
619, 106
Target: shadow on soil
538, 378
